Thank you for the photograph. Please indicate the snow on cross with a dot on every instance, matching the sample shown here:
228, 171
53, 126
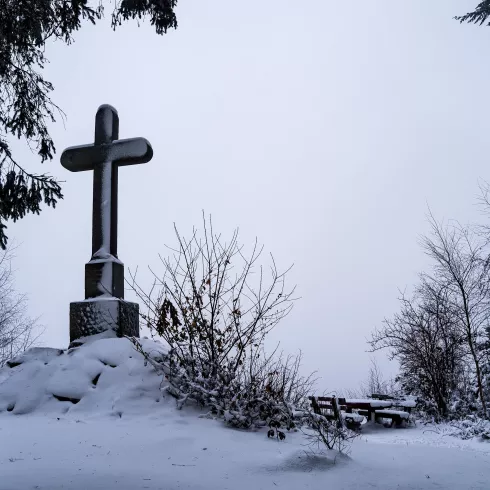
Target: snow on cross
104, 157
104, 273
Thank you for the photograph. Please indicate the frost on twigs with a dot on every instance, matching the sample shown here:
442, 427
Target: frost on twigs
228, 395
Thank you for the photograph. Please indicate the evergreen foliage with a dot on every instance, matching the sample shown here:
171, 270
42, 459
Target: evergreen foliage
478, 16
26, 107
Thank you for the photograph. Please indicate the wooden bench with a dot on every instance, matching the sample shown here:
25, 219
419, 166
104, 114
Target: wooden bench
374, 409
326, 406
335, 409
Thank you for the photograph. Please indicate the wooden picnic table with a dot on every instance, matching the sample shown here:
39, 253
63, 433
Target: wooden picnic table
352, 410
373, 408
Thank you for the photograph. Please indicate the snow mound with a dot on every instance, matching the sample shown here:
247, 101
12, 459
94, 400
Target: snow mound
98, 378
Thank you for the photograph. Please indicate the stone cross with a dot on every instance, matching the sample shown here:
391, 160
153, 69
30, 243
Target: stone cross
104, 273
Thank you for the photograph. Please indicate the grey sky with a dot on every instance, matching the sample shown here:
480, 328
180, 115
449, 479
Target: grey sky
323, 130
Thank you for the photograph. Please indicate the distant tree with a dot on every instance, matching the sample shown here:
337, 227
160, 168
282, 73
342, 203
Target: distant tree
424, 338
18, 332
478, 16
484, 344
376, 383
462, 269
25, 104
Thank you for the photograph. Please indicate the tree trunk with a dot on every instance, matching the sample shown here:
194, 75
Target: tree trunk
478, 376
474, 355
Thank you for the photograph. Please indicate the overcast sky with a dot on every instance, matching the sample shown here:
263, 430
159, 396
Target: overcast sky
324, 128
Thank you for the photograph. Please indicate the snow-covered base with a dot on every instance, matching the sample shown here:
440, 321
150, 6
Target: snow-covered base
119, 437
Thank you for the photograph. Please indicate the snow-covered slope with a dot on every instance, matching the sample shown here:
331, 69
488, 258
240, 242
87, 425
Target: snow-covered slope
118, 436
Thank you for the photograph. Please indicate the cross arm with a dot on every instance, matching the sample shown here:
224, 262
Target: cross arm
122, 152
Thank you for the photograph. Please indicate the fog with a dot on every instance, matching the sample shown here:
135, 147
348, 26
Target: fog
325, 129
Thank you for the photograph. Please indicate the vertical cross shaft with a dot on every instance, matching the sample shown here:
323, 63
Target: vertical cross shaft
104, 224
104, 273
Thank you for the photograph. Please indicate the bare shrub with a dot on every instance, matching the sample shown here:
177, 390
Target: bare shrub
322, 432
214, 306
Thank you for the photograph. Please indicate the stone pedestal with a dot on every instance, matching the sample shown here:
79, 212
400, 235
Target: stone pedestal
96, 316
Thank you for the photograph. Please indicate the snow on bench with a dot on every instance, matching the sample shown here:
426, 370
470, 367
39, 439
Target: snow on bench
355, 417
405, 403
369, 401
393, 414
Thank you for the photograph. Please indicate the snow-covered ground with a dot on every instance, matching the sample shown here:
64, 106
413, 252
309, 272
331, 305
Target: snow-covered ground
119, 436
